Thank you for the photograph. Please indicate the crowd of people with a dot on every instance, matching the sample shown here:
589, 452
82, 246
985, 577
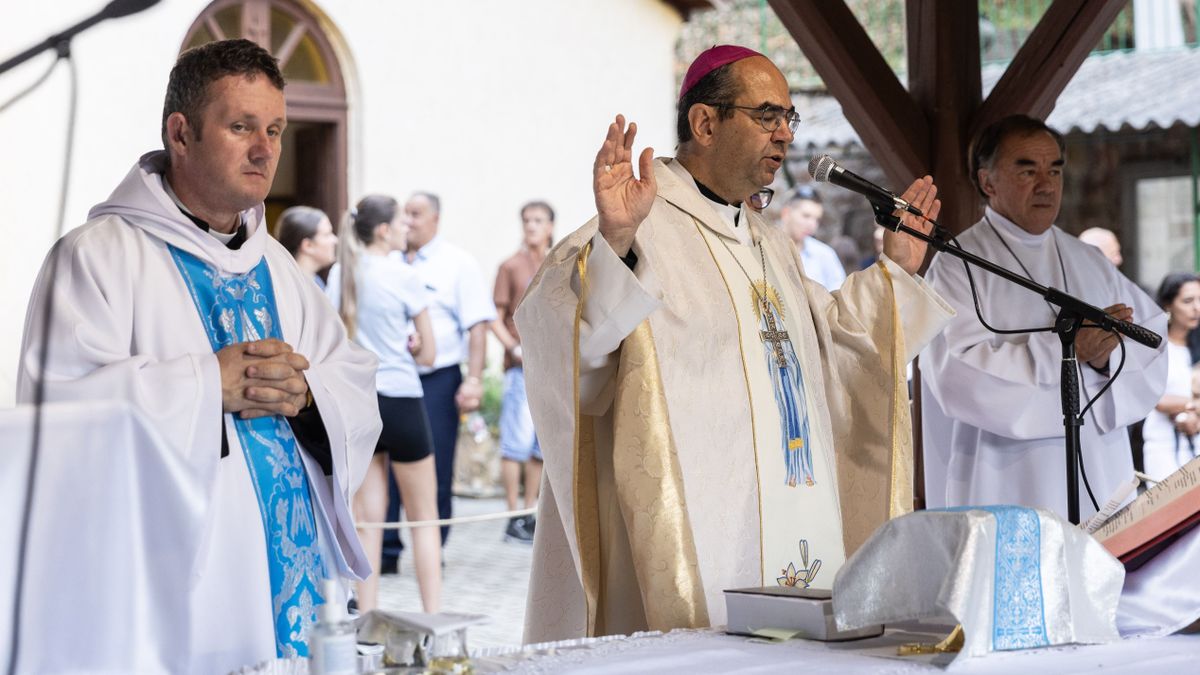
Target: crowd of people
417, 302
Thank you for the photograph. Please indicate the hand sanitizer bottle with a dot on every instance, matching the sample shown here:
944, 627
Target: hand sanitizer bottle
333, 644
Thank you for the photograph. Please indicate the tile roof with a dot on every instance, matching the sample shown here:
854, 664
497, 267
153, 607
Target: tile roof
1117, 90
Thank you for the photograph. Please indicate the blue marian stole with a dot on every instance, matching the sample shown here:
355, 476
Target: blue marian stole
241, 308
1018, 609
788, 381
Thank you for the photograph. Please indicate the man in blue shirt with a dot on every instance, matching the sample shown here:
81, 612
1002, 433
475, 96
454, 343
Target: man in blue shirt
801, 217
461, 312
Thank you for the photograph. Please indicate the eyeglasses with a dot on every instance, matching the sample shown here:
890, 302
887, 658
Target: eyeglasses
769, 116
761, 199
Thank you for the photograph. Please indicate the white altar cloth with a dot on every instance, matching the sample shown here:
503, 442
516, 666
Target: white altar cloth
1163, 596
96, 461
710, 651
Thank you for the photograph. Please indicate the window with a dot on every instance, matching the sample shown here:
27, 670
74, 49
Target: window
1164, 221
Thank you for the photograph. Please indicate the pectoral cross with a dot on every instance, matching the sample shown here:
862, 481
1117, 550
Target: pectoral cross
774, 336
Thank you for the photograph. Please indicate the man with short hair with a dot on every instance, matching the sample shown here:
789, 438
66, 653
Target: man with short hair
992, 413
460, 312
174, 298
518, 441
1106, 241
801, 216
708, 419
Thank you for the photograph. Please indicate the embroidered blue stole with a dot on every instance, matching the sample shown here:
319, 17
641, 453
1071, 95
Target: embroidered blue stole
1018, 608
241, 308
788, 381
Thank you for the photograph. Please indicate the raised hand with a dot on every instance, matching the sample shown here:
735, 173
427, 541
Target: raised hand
622, 201
909, 252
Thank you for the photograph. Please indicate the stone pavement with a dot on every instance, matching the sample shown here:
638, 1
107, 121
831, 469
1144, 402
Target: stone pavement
484, 575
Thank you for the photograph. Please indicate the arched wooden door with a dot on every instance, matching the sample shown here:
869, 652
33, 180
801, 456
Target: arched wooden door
312, 169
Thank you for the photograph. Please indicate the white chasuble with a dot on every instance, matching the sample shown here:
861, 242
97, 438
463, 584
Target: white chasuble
125, 327
800, 523
672, 470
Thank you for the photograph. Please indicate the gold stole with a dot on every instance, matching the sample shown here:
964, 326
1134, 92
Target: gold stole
900, 487
649, 488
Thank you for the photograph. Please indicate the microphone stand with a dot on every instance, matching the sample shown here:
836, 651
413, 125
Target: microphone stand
60, 42
1072, 313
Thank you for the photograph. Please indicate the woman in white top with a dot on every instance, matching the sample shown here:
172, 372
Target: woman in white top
1169, 434
308, 235
381, 300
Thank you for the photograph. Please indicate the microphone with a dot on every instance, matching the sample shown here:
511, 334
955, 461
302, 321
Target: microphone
823, 169
119, 8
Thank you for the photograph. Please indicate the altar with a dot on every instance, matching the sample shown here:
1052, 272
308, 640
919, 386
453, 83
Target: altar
102, 617
712, 651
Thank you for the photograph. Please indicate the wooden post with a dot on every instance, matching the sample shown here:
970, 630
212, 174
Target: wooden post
944, 81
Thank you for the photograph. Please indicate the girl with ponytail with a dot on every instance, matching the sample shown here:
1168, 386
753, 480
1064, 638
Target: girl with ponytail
383, 304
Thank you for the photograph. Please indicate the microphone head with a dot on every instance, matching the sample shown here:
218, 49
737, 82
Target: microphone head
820, 167
118, 8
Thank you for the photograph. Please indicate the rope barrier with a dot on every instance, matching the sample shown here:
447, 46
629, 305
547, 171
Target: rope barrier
409, 524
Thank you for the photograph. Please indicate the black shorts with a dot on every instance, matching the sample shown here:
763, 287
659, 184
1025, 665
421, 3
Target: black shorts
406, 436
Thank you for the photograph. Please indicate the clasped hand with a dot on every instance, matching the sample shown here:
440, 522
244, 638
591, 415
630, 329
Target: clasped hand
1095, 345
262, 378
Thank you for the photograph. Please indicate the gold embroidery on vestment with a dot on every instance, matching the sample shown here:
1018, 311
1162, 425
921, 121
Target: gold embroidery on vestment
649, 489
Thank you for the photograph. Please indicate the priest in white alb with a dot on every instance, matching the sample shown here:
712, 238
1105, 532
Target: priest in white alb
991, 407
710, 418
175, 299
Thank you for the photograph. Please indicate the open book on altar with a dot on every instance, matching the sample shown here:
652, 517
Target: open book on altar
1156, 518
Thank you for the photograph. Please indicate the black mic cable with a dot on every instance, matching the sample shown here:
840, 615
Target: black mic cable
824, 168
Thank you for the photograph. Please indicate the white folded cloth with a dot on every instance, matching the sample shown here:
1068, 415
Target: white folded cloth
1014, 577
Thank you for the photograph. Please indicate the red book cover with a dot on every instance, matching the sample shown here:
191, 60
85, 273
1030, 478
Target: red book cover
1165, 510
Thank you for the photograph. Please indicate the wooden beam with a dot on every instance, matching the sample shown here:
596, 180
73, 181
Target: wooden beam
944, 80
1066, 34
892, 128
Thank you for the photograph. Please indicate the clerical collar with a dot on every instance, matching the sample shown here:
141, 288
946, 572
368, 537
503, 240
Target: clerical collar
1015, 231
712, 196
733, 211
233, 240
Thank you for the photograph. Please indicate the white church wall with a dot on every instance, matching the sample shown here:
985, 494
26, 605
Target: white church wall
488, 104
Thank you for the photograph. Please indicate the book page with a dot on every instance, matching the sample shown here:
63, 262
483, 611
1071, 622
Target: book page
1177, 485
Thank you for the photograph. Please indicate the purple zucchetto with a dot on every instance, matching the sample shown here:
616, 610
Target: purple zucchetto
711, 59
